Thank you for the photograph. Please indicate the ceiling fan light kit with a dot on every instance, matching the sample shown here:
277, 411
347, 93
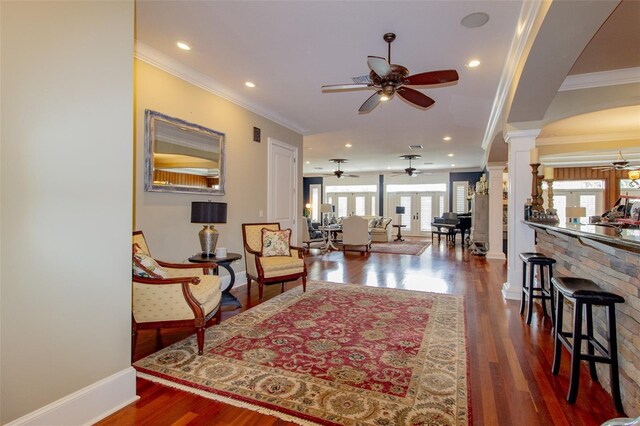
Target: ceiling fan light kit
387, 79
339, 173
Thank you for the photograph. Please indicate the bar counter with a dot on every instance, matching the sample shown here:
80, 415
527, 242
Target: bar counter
612, 261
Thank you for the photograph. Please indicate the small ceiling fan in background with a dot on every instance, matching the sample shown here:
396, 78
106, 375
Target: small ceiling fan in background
411, 171
619, 164
339, 173
388, 79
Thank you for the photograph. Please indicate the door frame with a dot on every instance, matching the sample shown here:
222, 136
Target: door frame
271, 142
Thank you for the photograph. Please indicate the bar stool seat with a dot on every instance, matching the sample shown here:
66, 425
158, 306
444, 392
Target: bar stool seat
529, 290
585, 293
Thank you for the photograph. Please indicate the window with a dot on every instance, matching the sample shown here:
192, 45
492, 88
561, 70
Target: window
352, 188
360, 205
460, 196
425, 213
560, 204
374, 210
315, 202
589, 203
441, 206
342, 206
405, 201
421, 187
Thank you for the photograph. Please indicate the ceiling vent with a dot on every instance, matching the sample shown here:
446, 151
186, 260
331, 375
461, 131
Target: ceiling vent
415, 147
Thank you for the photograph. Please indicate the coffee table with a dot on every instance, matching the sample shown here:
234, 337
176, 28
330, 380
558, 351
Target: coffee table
228, 299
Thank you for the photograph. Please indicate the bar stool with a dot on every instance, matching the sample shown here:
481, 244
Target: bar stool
584, 292
529, 290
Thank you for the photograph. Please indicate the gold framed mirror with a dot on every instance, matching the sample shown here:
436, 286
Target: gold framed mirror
182, 156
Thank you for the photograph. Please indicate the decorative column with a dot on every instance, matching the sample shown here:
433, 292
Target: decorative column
495, 212
521, 237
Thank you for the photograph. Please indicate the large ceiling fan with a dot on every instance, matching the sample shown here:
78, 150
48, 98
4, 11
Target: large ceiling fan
388, 79
339, 173
619, 164
411, 171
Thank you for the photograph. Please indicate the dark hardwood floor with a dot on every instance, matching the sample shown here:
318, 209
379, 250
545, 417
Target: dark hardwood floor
510, 362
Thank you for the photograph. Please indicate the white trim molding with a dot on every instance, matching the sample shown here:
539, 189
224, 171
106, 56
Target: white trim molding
88, 405
161, 61
600, 79
525, 30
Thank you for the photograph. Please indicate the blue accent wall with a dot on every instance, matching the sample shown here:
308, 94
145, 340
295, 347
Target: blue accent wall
381, 195
306, 191
471, 177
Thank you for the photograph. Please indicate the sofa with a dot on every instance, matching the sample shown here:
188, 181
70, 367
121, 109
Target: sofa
381, 229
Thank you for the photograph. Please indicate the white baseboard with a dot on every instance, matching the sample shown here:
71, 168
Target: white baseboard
88, 405
496, 255
507, 293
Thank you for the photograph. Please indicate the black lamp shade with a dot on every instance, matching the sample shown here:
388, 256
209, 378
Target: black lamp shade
208, 212
399, 209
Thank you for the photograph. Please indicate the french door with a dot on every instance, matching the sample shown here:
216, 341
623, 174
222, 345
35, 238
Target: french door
419, 210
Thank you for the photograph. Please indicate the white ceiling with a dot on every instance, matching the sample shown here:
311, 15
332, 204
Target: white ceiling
290, 49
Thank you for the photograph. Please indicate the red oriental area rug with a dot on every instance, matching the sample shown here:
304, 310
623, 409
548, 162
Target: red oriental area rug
337, 354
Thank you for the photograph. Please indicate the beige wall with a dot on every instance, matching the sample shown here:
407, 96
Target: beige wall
66, 155
165, 217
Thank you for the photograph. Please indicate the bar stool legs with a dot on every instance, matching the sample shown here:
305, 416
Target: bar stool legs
584, 294
529, 289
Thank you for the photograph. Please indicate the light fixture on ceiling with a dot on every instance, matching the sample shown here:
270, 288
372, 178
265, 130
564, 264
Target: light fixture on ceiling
473, 63
475, 20
453, 165
446, 138
307, 162
348, 145
634, 175
450, 154
250, 84
182, 45
384, 98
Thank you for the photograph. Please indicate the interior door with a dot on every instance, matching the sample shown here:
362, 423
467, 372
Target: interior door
283, 185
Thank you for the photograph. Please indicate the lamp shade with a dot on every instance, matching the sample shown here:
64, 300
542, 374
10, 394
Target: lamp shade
208, 212
326, 208
576, 212
399, 209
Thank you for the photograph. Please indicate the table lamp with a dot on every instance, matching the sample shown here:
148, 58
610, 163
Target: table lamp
575, 213
324, 209
208, 213
399, 212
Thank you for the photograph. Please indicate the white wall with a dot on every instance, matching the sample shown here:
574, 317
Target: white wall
165, 217
66, 157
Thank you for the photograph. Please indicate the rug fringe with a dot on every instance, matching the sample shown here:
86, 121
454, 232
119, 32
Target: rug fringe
227, 400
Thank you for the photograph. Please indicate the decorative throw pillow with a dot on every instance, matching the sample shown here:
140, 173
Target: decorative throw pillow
385, 222
276, 243
146, 267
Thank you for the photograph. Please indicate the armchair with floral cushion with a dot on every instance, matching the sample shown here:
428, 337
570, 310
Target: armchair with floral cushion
270, 258
171, 294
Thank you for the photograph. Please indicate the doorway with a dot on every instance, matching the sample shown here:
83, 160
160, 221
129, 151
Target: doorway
282, 191
419, 210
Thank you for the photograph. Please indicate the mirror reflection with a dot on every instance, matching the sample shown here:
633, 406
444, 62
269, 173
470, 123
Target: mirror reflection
182, 156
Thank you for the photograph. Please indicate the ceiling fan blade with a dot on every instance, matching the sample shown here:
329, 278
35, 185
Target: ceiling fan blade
352, 176
415, 97
351, 86
432, 77
371, 103
379, 65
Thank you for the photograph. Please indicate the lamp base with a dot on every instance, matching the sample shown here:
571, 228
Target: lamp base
208, 239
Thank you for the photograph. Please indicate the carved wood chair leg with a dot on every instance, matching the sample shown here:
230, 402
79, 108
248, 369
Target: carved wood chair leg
260, 291
134, 339
304, 284
200, 336
282, 287
219, 315
158, 338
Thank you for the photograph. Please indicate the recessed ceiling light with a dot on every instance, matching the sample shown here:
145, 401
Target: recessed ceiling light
307, 162
473, 63
388, 167
475, 20
249, 84
384, 98
450, 155
182, 45
348, 145
453, 165
446, 138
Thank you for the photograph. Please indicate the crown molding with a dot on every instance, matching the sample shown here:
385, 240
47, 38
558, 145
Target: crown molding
518, 134
528, 16
600, 79
601, 137
161, 61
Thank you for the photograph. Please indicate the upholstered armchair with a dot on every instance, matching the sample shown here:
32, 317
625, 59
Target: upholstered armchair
311, 235
355, 232
267, 266
171, 294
